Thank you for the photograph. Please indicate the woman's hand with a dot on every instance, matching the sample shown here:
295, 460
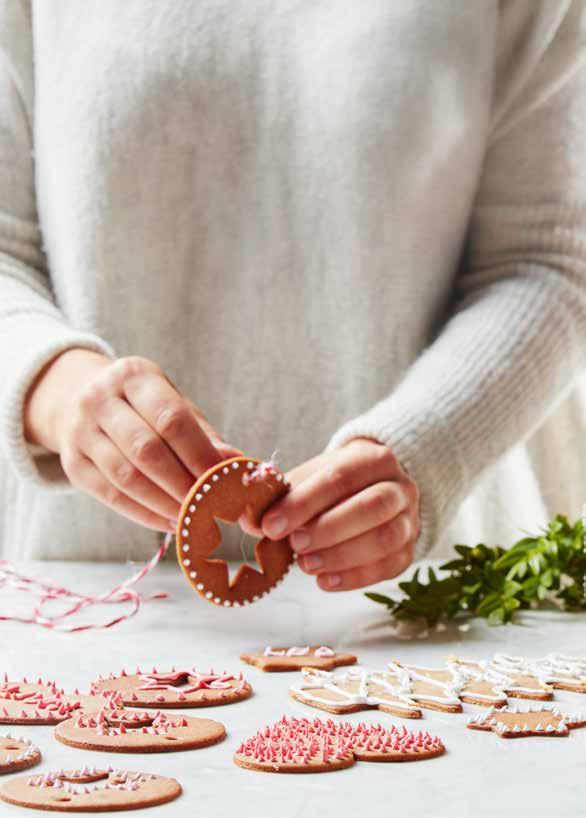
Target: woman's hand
123, 432
352, 516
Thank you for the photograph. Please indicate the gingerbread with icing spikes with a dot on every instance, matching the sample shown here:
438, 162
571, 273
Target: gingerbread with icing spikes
511, 722
42, 702
138, 731
225, 492
353, 690
183, 688
313, 746
90, 790
17, 754
295, 657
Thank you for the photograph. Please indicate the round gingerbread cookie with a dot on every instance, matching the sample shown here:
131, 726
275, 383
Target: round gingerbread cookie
42, 702
226, 492
127, 731
302, 746
175, 688
17, 754
90, 790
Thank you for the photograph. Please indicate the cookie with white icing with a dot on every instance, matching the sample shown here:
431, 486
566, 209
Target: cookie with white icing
313, 746
234, 487
139, 731
562, 672
352, 691
90, 790
425, 687
183, 688
515, 676
510, 722
295, 657
43, 702
17, 754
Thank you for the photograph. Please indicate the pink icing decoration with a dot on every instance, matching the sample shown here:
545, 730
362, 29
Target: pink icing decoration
301, 741
324, 651
191, 678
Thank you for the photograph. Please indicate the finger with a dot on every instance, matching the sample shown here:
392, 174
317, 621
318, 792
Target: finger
352, 469
370, 546
172, 418
370, 508
118, 471
143, 447
390, 566
85, 474
226, 450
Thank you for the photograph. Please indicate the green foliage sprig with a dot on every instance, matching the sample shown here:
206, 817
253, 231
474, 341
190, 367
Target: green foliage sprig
494, 582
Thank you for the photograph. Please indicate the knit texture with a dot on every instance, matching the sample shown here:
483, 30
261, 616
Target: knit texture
323, 220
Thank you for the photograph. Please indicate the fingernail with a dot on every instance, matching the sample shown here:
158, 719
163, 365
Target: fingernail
312, 561
300, 540
334, 580
275, 525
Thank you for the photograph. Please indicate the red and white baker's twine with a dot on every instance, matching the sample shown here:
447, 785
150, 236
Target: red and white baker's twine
47, 591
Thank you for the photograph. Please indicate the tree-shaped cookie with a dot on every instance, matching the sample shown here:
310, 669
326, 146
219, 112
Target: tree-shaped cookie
516, 677
468, 684
510, 722
555, 669
431, 693
353, 690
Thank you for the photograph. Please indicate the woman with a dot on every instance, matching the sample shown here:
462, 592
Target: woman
336, 227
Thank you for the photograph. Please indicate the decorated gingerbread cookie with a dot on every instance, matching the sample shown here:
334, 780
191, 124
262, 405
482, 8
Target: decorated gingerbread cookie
510, 722
471, 685
563, 672
175, 688
353, 690
279, 659
138, 731
425, 687
225, 492
303, 746
42, 702
516, 678
90, 790
17, 754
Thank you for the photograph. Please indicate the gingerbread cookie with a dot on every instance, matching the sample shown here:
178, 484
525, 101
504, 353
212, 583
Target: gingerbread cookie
423, 686
275, 660
17, 754
352, 691
509, 722
470, 685
175, 688
42, 702
561, 672
515, 677
303, 746
225, 492
90, 790
127, 731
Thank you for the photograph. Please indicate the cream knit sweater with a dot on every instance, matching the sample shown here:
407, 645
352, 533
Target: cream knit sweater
323, 218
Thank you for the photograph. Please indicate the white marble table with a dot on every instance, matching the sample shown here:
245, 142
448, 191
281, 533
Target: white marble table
481, 775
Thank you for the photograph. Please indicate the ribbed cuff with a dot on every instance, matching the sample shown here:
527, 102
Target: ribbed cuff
32, 350
421, 443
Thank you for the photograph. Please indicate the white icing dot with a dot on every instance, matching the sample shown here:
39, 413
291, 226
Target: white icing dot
250, 465
185, 533
209, 595
198, 497
279, 477
186, 562
206, 487
255, 598
199, 586
227, 603
192, 508
225, 470
186, 548
193, 574
215, 478
217, 600
187, 520
235, 465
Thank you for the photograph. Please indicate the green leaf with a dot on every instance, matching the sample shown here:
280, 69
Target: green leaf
383, 600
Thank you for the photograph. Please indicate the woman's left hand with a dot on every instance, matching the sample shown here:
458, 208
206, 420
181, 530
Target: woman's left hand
352, 516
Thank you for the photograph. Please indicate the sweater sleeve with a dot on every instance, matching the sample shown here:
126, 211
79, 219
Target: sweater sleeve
32, 328
515, 338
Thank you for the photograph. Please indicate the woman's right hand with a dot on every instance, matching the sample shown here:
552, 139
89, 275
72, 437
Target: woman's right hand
123, 432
